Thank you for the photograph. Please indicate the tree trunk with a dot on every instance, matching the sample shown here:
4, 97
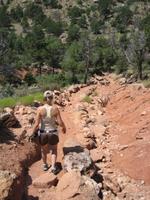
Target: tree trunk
140, 67
87, 57
140, 71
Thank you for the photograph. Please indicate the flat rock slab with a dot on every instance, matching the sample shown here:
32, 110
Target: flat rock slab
77, 161
69, 185
46, 180
96, 155
72, 145
73, 186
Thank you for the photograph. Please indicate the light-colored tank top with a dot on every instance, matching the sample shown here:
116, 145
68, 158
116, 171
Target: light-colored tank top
48, 122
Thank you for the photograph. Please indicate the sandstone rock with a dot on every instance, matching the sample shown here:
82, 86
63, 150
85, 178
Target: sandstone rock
36, 104
72, 145
31, 120
103, 100
91, 184
56, 92
87, 133
8, 110
122, 81
89, 144
96, 155
45, 181
101, 132
69, 185
6, 182
81, 107
111, 184
8, 120
77, 161
73, 186
73, 89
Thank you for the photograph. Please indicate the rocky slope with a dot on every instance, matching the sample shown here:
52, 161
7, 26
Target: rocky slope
104, 154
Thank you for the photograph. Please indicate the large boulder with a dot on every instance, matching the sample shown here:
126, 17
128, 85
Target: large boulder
6, 183
8, 119
74, 186
76, 157
77, 161
45, 180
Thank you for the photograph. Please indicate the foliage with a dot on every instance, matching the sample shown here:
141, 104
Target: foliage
7, 91
17, 13
4, 17
87, 99
54, 49
105, 7
72, 61
73, 32
52, 26
147, 83
25, 100
29, 79
88, 37
123, 18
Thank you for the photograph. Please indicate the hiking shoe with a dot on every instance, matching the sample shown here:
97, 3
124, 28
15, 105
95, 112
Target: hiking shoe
55, 170
45, 167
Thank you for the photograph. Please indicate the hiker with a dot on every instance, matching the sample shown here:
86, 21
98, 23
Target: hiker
47, 121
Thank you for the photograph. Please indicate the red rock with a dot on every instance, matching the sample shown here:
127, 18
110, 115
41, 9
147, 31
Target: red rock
96, 155
68, 185
45, 181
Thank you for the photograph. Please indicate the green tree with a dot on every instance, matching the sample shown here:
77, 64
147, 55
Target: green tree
134, 49
54, 52
105, 7
53, 27
123, 18
73, 32
72, 60
17, 13
4, 17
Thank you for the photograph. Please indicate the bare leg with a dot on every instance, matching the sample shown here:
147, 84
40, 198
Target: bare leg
44, 150
54, 155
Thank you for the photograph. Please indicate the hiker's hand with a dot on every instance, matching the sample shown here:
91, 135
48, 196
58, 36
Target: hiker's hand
32, 137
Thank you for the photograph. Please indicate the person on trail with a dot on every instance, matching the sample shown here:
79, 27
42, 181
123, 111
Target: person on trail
47, 121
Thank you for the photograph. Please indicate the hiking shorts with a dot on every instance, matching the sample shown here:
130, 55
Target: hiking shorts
48, 137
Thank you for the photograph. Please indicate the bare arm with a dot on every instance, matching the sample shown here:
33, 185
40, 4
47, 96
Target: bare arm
59, 119
37, 121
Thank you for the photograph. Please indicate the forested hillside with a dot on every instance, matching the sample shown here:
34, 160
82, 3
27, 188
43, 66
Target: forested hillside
76, 38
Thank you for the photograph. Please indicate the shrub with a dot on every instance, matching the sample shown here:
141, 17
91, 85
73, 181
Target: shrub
87, 99
146, 83
6, 91
7, 102
29, 79
25, 100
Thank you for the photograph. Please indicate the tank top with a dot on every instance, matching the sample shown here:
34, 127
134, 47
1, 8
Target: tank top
48, 122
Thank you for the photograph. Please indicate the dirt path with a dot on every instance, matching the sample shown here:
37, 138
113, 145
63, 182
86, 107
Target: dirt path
125, 146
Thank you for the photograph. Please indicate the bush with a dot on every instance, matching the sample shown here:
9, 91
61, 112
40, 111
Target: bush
87, 99
146, 83
25, 100
51, 82
7, 102
6, 91
29, 79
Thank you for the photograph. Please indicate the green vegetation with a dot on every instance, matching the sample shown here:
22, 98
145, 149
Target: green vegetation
25, 100
73, 40
87, 99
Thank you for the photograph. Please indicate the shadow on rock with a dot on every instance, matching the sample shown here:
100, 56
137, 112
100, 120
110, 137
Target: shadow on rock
32, 198
6, 135
77, 149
